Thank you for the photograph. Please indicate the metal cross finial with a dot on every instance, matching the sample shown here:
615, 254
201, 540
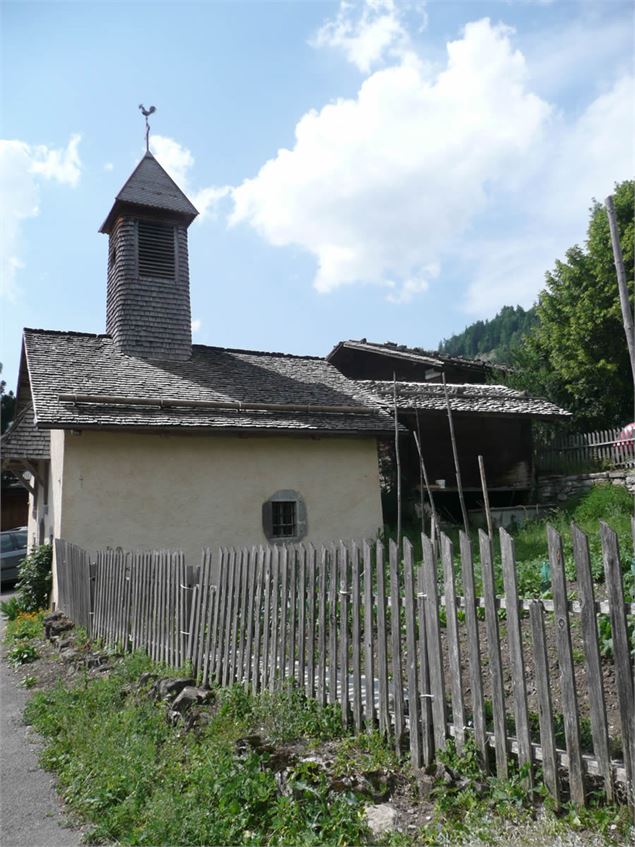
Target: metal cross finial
146, 113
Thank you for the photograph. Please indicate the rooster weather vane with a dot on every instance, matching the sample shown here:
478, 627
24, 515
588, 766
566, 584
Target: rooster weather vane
146, 114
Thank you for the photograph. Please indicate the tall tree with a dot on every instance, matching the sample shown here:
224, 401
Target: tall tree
7, 404
576, 355
493, 339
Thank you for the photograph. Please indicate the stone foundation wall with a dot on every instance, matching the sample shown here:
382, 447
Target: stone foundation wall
553, 488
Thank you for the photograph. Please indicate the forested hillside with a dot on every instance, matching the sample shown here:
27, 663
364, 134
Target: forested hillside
493, 339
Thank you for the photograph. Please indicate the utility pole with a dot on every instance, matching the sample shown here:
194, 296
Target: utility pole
627, 315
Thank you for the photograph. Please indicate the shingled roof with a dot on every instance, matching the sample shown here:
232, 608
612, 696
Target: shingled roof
149, 185
23, 441
67, 363
471, 398
415, 354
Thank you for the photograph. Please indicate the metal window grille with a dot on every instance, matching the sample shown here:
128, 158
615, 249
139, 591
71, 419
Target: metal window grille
157, 254
284, 518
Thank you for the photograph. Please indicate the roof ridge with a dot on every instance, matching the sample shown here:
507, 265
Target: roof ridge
421, 351
42, 331
263, 353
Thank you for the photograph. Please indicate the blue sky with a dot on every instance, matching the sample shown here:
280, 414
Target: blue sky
386, 169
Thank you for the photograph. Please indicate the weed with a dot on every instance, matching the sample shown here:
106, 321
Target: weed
21, 654
29, 681
289, 713
10, 608
368, 752
24, 626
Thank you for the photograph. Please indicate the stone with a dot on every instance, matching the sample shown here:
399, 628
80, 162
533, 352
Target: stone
53, 616
187, 697
381, 818
170, 687
57, 626
381, 784
94, 660
69, 655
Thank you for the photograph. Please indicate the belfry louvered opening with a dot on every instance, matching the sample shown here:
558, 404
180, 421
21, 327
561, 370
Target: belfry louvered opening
157, 254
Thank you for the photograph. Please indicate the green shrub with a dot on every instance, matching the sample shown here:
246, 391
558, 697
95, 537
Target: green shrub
602, 503
10, 608
34, 579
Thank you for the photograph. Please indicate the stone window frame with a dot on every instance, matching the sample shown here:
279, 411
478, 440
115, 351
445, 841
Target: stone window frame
285, 495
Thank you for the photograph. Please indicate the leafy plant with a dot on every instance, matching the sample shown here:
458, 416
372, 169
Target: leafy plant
10, 608
34, 579
24, 626
21, 654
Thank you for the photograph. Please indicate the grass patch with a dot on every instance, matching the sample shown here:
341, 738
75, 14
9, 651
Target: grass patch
140, 781
121, 766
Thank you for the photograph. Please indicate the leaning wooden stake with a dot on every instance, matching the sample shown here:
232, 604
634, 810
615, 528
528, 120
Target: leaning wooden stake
488, 511
455, 453
424, 473
397, 460
417, 437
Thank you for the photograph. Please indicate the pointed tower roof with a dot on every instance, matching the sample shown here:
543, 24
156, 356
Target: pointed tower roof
149, 185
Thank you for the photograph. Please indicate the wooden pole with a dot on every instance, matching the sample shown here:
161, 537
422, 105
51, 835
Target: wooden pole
488, 513
417, 436
397, 460
627, 315
457, 469
434, 525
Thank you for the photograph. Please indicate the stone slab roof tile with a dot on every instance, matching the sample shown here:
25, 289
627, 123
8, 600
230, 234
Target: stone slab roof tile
77, 363
416, 354
470, 398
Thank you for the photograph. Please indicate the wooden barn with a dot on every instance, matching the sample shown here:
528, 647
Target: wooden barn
369, 360
491, 420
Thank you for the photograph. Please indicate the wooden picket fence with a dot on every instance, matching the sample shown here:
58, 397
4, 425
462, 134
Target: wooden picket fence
392, 645
582, 451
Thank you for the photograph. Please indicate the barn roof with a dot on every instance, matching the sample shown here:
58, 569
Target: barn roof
470, 398
150, 185
414, 354
113, 390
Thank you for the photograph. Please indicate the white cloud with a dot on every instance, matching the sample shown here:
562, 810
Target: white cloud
583, 160
22, 168
196, 324
377, 187
108, 166
467, 161
370, 31
178, 162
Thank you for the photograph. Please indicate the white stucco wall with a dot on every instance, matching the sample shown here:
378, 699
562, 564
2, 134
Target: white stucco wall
187, 492
40, 524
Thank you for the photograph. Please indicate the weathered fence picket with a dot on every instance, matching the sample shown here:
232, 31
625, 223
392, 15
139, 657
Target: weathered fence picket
330, 621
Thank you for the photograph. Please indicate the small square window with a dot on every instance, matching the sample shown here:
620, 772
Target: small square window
284, 518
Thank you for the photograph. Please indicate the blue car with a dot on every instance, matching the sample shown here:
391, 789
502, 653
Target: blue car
14, 551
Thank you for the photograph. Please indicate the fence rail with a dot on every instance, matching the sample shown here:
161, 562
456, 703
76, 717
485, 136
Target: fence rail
610, 448
392, 642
